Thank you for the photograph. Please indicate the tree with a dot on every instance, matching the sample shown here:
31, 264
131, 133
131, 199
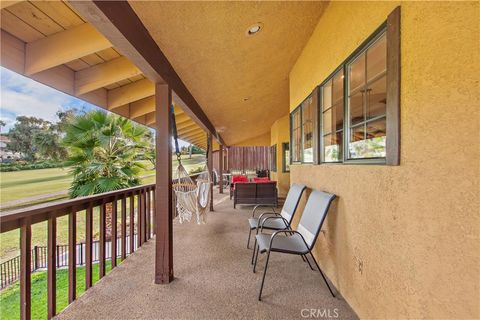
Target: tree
23, 133
104, 154
2, 125
48, 145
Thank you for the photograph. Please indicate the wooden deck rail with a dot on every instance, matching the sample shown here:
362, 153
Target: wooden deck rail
24, 218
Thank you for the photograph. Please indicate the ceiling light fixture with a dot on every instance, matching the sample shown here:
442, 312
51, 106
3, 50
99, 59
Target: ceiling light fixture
254, 29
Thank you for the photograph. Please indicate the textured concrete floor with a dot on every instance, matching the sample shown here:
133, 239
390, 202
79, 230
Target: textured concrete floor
213, 280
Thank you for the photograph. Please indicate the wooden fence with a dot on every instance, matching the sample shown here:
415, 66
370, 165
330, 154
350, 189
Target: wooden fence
10, 269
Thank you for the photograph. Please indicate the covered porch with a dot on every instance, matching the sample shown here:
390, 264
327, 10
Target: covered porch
213, 279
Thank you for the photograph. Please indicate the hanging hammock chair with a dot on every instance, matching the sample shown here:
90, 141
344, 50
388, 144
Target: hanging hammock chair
191, 198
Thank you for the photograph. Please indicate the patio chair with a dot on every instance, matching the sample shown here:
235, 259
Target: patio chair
300, 241
277, 221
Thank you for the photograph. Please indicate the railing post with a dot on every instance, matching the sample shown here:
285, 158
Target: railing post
220, 170
163, 190
148, 213
113, 243
88, 246
139, 219
153, 211
101, 243
72, 256
210, 168
35, 258
25, 269
124, 228
52, 266
132, 222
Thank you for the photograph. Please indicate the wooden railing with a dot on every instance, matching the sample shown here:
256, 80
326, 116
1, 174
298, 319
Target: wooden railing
141, 203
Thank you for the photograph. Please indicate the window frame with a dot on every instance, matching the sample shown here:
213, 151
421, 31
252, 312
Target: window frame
292, 144
391, 28
320, 115
285, 147
368, 43
315, 126
273, 158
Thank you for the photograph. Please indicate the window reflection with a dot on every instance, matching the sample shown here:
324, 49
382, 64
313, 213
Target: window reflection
367, 102
332, 118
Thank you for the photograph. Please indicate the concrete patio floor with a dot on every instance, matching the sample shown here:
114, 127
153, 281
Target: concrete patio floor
213, 280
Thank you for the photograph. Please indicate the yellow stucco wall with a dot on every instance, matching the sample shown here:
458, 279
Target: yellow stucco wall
262, 140
403, 241
280, 133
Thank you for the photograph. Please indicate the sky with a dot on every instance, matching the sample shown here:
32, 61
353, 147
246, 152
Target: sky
21, 96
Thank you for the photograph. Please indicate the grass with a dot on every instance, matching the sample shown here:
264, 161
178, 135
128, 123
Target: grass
10, 297
20, 184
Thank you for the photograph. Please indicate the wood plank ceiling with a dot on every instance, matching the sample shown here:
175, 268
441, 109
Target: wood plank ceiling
49, 41
241, 80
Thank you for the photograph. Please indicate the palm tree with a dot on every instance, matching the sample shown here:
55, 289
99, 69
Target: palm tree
104, 154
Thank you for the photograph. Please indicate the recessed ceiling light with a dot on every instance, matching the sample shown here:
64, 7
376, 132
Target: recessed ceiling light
254, 29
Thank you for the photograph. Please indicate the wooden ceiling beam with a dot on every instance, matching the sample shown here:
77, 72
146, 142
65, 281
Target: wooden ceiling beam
102, 75
63, 47
129, 93
190, 129
182, 119
201, 141
120, 24
143, 106
150, 119
193, 135
186, 124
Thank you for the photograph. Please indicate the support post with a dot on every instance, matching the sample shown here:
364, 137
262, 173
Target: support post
220, 169
163, 190
210, 168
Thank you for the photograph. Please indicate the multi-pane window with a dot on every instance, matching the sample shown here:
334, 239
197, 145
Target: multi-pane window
286, 157
367, 99
309, 125
273, 158
359, 106
296, 127
332, 118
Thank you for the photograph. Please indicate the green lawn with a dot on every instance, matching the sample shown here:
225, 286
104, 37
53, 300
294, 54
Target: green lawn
10, 297
21, 184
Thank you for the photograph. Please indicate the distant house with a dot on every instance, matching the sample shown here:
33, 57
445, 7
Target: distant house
5, 154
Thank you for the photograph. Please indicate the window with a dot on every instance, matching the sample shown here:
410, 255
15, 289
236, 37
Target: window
273, 158
332, 118
296, 136
359, 106
286, 157
309, 127
367, 100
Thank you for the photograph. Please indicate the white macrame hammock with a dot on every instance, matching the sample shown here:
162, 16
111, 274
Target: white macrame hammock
191, 198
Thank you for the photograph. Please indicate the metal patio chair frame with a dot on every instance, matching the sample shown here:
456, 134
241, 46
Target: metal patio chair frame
293, 241
269, 215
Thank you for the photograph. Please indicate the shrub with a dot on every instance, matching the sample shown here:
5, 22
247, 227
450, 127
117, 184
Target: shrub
22, 165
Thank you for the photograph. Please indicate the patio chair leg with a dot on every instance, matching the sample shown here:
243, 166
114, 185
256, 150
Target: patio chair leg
255, 263
308, 261
263, 278
323, 276
254, 248
249, 235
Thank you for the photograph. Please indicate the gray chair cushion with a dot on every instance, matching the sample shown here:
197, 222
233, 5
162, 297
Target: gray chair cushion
270, 224
287, 244
314, 214
291, 202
